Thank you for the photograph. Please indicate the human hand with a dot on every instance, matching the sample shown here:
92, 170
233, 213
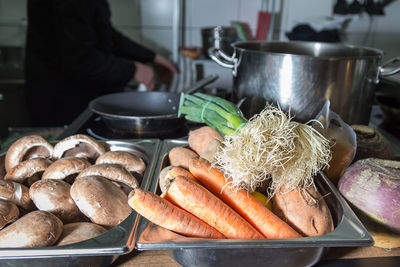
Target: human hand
163, 62
144, 74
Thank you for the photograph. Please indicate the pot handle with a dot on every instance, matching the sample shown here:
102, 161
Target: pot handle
385, 71
221, 58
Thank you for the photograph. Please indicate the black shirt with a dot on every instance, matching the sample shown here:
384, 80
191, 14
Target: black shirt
73, 55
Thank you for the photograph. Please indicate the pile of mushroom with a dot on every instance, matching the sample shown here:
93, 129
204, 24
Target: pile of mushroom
66, 193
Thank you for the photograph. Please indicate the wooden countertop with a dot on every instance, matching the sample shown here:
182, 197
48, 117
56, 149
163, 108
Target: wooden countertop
161, 258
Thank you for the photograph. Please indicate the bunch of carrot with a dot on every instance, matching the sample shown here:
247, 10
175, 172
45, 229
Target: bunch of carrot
200, 204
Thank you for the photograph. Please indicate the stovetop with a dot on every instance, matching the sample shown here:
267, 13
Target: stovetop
91, 124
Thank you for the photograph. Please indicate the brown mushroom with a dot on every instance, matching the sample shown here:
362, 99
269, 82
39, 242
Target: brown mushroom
35, 229
27, 168
54, 196
65, 168
79, 145
114, 172
16, 193
131, 162
79, 231
100, 200
27, 147
9, 212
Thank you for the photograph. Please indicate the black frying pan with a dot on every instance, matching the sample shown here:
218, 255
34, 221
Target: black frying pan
143, 114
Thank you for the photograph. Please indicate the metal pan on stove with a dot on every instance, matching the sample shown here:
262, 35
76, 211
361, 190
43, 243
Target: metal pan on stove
144, 114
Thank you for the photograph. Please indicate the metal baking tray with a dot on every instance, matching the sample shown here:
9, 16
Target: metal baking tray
104, 249
307, 251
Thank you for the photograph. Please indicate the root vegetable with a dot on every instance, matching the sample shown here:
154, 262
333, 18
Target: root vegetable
129, 161
168, 173
100, 200
373, 185
169, 216
197, 200
180, 156
54, 196
264, 220
78, 232
271, 145
371, 144
304, 210
35, 229
211, 150
199, 138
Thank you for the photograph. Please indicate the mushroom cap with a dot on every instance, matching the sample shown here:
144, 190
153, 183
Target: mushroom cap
131, 162
100, 200
9, 212
35, 229
64, 167
79, 145
27, 168
54, 196
114, 172
31, 146
79, 231
16, 193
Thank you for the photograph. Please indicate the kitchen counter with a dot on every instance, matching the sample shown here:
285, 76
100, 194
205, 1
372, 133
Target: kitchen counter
358, 257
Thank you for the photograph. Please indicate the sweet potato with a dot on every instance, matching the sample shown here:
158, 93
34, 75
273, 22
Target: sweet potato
305, 210
199, 138
211, 149
180, 156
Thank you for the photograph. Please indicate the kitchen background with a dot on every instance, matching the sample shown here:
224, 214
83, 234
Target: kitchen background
150, 22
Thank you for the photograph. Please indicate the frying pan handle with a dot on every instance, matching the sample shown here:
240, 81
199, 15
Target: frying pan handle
200, 84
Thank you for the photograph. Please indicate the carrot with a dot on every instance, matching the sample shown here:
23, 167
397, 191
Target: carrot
200, 202
167, 215
246, 205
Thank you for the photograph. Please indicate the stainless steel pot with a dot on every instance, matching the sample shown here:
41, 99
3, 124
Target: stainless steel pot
300, 76
218, 37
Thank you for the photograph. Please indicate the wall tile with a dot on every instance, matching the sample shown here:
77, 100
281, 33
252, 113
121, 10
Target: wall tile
208, 13
158, 39
248, 12
125, 12
156, 12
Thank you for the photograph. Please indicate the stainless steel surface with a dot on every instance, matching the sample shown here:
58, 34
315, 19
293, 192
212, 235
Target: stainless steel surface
301, 75
99, 251
276, 252
218, 37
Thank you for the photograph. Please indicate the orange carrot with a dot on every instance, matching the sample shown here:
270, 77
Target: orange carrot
200, 202
246, 205
167, 215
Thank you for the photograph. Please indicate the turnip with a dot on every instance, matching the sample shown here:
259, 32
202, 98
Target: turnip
373, 186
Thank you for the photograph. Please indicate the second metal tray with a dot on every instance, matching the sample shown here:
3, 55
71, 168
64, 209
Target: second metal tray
348, 232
